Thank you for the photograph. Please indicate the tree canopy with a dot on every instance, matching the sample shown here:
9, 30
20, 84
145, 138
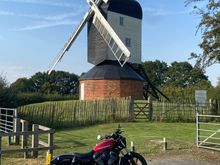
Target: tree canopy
182, 74
156, 71
58, 82
22, 85
210, 30
178, 74
6, 97
3, 82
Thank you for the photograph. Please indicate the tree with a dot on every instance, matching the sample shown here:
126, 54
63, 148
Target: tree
58, 82
64, 82
156, 71
40, 81
7, 98
3, 82
210, 29
182, 74
215, 93
22, 85
218, 83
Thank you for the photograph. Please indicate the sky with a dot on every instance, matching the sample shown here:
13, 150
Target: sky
32, 32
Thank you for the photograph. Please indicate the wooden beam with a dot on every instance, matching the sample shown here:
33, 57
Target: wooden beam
35, 140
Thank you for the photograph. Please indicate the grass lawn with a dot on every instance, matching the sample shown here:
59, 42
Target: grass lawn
179, 136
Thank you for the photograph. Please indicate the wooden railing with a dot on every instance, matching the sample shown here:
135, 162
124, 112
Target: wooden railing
21, 136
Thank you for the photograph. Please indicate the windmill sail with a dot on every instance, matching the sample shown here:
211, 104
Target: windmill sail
75, 34
71, 40
119, 50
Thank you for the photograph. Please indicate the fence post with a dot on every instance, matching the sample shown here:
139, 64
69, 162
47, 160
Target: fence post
17, 128
197, 129
35, 139
150, 108
131, 108
24, 138
9, 140
164, 144
213, 106
218, 107
50, 142
132, 146
0, 150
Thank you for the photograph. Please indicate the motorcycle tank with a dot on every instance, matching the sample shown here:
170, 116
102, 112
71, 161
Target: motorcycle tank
105, 145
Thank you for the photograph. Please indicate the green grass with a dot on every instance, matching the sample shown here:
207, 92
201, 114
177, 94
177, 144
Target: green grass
82, 139
178, 135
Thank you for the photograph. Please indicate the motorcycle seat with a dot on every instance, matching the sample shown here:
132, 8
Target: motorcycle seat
84, 155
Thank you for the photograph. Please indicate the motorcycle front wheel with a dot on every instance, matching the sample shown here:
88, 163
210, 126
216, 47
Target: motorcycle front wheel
136, 159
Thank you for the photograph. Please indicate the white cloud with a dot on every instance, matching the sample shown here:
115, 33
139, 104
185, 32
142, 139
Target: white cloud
40, 17
13, 72
42, 25
42, 2
162, 12
59, 17
41, 21
6, 13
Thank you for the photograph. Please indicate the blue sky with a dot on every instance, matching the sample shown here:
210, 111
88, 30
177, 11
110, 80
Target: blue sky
32, 32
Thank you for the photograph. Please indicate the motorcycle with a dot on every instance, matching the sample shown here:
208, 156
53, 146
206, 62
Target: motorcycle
111, 151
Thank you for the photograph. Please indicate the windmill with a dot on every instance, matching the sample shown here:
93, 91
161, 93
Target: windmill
114, 47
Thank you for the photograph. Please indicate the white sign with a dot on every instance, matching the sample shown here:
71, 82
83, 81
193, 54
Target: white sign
200, 96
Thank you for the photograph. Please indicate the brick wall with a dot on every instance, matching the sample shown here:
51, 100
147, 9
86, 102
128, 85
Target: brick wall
104, 89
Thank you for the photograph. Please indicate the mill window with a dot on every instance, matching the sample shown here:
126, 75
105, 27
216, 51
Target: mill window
128, 42
122, 21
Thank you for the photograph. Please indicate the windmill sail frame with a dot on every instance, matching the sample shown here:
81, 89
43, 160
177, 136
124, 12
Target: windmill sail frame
119, 50
71, 40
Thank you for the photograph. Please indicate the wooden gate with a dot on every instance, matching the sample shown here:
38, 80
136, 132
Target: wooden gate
143, 109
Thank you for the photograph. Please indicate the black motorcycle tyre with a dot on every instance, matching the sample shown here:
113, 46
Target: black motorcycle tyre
134, 157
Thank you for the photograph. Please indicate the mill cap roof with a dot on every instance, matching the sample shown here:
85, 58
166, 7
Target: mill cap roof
111, 70
127, 7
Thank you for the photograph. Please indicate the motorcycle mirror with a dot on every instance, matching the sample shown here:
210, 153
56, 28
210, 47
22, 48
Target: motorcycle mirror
99, 137
119, 126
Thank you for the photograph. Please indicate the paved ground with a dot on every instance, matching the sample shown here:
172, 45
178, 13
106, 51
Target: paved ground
186, 157
193, 156
179, 161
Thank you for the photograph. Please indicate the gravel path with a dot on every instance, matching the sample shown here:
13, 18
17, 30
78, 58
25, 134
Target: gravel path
176, 161
192, 156
188, 157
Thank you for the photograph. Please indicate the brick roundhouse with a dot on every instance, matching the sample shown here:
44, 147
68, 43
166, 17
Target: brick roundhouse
110, 80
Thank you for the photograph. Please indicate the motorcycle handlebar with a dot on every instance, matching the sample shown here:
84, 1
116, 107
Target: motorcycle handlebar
114, 135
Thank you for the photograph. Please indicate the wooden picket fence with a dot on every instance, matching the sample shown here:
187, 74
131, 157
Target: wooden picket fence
76, 113
184, 111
